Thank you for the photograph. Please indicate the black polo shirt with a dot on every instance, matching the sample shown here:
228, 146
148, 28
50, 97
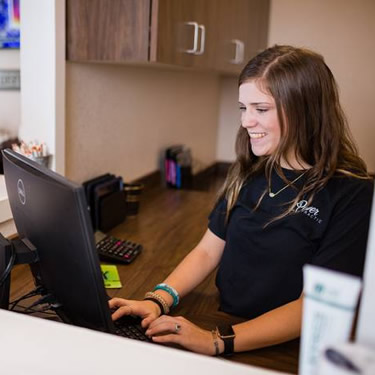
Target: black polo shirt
261, 266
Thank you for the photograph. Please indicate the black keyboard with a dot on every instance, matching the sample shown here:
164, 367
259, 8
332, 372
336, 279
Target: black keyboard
130, 327
118, 250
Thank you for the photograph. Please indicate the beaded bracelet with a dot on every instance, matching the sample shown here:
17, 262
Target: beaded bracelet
157, 303
162, 301
216, 343
169, 290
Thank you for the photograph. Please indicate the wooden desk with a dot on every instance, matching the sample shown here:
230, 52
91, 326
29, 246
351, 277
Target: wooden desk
169, 225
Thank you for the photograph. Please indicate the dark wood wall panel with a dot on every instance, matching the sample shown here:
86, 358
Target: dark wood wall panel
108, 30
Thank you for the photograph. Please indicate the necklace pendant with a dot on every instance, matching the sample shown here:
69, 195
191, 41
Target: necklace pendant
272, 195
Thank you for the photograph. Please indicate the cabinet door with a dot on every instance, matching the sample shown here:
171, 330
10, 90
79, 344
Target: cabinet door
182, 32
242, 32
108, 30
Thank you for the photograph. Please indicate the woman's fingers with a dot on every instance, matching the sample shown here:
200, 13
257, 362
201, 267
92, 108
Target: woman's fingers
165, 329
117, 302
121, 311
147, 321
178, 330
144, 309
164, 325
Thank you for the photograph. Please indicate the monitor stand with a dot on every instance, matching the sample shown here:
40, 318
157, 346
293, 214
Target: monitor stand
17, 251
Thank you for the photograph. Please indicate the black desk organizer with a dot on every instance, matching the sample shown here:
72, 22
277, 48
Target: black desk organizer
106, 200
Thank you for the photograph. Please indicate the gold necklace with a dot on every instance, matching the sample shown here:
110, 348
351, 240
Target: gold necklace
273, 195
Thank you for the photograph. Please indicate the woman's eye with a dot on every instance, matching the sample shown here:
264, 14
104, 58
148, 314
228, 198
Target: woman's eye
242, 108
262, 110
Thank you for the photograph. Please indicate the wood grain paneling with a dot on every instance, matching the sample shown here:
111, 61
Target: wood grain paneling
108, 30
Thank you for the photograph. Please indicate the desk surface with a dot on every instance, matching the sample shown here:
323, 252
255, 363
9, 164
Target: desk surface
169, 225
40, 347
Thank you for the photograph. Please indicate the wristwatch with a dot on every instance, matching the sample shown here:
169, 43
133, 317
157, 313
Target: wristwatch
226, 333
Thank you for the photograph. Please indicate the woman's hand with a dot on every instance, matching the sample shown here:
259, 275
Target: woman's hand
147, 310
178, 330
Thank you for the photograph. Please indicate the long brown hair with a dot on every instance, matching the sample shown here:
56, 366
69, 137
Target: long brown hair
311, 120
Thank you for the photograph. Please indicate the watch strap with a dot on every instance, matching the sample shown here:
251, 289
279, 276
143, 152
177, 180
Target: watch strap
226, 333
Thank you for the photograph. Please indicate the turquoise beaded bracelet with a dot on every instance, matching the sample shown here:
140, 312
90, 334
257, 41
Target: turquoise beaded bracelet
169, 290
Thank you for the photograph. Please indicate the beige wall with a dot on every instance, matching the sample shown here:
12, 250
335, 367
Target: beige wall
229, 119
343, 31
120, 118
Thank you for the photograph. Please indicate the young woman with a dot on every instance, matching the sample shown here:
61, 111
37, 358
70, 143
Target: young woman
297, 193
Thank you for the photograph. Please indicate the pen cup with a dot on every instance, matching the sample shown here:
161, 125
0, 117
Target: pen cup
132, 197
43, 160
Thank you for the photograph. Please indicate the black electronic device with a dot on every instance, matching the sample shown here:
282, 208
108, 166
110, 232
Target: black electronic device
106, 199
112, 249
90, 183
51, 212
103, 190
112, 210
89, 192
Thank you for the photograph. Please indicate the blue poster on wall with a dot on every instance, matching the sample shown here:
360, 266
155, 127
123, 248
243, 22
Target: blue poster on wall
9, 23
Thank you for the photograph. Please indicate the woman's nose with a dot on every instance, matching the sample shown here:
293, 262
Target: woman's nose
248, 120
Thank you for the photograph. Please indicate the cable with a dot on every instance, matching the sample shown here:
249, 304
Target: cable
44, 299
9, 266
31, 308
28, 310
33, 293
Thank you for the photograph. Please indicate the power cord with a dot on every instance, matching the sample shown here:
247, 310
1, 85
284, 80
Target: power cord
34, 292
44, 299
47, 310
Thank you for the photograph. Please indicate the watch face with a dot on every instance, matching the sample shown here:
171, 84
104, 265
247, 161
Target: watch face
226, 331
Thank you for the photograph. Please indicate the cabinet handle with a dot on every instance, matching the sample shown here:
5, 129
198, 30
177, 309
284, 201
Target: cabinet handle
203, 40
240, 52
195, 43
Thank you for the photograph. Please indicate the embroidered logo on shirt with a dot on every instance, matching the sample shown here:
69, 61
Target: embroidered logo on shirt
311, 212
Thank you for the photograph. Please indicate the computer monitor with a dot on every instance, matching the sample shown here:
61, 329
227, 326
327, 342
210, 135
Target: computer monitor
52, 213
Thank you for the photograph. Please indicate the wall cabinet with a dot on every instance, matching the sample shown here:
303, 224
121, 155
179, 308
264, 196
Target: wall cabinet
209, 34
242, 30
108, 30
183, 33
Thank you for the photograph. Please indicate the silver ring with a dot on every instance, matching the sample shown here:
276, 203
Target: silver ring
177, 327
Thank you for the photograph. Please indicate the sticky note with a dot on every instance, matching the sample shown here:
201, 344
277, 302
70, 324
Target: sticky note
111, 277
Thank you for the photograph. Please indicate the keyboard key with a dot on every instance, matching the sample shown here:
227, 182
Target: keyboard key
130, 327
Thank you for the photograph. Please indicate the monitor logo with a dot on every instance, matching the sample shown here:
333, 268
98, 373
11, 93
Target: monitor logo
21, 191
